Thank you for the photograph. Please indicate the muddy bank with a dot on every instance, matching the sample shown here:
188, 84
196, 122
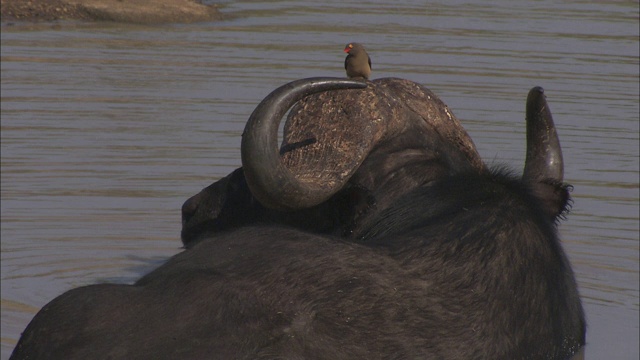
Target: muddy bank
129, 11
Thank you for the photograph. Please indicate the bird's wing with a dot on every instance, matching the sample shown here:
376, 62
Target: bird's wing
369, 62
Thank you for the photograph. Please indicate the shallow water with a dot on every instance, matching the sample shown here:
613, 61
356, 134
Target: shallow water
106, 129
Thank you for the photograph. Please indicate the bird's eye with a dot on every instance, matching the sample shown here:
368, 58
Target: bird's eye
350, 46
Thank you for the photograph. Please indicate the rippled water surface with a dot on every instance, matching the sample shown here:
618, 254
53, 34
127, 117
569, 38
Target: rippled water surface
107, 129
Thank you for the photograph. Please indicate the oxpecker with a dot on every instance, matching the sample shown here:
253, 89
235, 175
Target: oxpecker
358, 62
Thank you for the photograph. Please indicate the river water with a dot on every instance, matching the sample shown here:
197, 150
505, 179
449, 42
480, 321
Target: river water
107, 128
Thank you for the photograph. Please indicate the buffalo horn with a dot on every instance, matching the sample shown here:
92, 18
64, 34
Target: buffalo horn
544, 156
270, 181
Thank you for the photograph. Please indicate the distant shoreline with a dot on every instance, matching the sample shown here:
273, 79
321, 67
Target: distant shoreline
129, 11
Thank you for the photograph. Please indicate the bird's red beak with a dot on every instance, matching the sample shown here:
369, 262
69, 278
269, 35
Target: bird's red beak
347, 49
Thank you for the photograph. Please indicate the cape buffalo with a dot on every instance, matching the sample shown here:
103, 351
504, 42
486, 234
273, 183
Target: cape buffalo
373, 232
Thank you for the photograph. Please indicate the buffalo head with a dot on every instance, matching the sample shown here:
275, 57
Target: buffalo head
347, 154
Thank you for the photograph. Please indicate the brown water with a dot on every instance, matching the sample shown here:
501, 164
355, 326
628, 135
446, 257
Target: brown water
107, 129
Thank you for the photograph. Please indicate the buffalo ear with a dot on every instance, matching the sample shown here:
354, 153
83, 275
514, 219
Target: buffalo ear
223, 205
555, 198
544, 166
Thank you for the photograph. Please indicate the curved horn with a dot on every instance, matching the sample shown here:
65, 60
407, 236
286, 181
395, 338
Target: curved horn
544, 155
269, 180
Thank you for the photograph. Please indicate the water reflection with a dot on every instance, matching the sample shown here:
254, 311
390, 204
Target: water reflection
107, 129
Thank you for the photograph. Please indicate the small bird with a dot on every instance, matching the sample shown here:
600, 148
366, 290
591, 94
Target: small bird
358, 62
